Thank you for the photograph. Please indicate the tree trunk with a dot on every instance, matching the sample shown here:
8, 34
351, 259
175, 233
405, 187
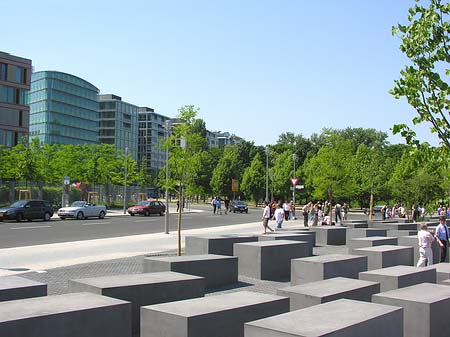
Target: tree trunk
12, 191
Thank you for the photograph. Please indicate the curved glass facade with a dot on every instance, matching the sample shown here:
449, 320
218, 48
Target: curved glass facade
63, 109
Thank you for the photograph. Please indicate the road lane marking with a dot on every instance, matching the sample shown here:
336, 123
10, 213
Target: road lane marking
95, 223
146, 220
30, 227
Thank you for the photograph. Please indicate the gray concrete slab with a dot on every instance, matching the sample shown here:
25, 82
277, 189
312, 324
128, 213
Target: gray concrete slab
314, 293
354, 225
394, 226
218, 316
215, 244
341, 318
318, 268
370, 241
69, 315
442, 271
306, 237
16, 288
330, 235
396, 277
269, 260
413, 241
426, 308
353, 233
143, 289
398, 233
387, 256
218, 270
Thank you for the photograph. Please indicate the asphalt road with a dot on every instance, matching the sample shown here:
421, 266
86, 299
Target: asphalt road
13, 234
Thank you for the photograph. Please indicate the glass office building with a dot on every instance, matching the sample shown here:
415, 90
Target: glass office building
63, 109
15, 76
118, 124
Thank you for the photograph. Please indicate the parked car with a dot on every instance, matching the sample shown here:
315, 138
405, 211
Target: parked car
147, 207
27, 209
82, 210
238, 206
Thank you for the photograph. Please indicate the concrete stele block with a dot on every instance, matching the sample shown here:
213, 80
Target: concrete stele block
353, 233
322, 267
387, 256
16, 288
269, 260
426, 308
143, 289
371, 241
442, 271
218, 270
215, 244
355, 225
307, 237
339, 318
398, 233
68, 315
400, 276
314, 293
395, 226
218, 316
330, 235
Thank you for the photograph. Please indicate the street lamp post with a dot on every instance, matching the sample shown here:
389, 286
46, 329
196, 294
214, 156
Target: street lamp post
267, 173
125, 185
166, 218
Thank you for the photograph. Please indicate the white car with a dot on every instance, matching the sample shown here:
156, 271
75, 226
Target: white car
82, 210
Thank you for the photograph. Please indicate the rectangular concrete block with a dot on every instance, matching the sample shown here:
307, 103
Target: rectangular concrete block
353, 233
215, 244
306, 237
218, 316
387, 256
16, 288
354, 225
413, 241
397, 233
269, 260
399, 276
341, 318
330, 235
318, 268
314, 293
426, 307
143, 289
370, 241
395, 226
218, 270
442, 271
68, 315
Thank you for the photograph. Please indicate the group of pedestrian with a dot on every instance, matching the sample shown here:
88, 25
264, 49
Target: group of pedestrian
400, 211
320, 213
426, 239
444, 211
216, 203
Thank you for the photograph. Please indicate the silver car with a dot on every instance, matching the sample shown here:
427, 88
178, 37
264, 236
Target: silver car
82, 210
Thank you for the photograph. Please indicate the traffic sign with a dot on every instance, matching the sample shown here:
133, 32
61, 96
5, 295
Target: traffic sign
294, 181
66, 180
300, 187
234, 185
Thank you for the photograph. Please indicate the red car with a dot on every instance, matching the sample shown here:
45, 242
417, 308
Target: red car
147, 207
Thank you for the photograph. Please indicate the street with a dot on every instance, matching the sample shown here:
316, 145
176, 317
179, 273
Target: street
14, 234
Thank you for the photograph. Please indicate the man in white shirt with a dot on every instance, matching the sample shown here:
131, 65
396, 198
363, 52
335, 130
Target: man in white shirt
425, 241
266, 217
279, 216
286, 208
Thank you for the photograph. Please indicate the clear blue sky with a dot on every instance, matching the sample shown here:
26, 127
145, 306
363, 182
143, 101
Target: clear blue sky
255, 68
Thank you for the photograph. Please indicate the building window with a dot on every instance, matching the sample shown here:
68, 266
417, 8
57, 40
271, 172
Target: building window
21, 75
20, 118
8, 95
3, 71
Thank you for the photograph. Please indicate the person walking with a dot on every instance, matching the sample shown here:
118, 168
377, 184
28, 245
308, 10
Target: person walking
214, 205
426, 239
219, 206
227, 204
306, 210
266, 217
279, 216
292, 210
442, 236
286, 208
345, 208
337, 213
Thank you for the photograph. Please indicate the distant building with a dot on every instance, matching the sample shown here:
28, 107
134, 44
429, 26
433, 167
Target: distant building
118, 124
15, 78
212, 138
225, 138
63, 109
151, 138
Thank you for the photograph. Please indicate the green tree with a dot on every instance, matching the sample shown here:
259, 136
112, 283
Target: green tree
425, 41
228, 168
253, 179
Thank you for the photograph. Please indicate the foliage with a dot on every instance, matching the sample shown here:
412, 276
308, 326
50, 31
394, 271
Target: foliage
228, 168
253, 179
425, 41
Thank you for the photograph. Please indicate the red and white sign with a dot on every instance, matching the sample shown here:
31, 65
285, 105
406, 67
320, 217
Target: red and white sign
294, 181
